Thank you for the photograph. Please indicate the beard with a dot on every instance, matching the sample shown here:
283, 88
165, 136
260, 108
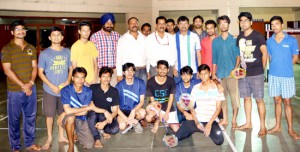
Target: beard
108, 29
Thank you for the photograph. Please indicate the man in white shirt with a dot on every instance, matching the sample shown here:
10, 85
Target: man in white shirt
131, 49
160, 45
188, 48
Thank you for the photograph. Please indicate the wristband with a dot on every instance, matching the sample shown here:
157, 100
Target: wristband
31, 82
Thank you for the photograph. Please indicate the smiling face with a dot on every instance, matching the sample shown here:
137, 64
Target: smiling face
210, 29
78, 79
105, 78
204, 75
224, 25
129, 73
133, 25
276, 26
162, 70
161, 25
56, 37
19, 32
183, 26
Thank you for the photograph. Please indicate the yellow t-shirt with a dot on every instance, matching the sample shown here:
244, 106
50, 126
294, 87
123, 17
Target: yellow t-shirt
84, 54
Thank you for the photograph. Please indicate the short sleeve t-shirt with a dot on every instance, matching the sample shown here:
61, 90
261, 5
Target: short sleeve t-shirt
206, 101
130, 94
161, 93
76, 100
56, 67
250, 49
180, 89
281, 64
105, 100
84, 55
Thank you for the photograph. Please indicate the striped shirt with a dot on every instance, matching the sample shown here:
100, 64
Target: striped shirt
21, 62
206, 101
107, 48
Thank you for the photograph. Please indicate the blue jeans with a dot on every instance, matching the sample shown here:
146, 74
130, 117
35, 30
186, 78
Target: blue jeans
18, 102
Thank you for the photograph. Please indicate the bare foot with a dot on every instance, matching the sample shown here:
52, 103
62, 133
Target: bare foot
274, 129
294, 134
262, 132
234, 126
106, 136
47, 144
75, 136
34, 148
154, 129
63, 140
100, 125
223, 122
98, 144
244, 126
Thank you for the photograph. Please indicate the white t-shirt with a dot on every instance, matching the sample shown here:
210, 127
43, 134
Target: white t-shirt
206, 101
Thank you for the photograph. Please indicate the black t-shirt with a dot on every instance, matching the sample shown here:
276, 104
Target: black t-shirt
161, 93
105, 100
250, 46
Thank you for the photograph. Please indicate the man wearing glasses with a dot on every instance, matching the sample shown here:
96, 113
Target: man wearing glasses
160, 45
19, 61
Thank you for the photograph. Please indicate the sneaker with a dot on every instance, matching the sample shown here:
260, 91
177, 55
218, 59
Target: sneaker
126, 130
138, 128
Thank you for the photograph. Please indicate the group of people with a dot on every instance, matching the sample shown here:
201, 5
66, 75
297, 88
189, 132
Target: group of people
112, 75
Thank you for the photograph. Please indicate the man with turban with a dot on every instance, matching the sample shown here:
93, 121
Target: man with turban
106, 43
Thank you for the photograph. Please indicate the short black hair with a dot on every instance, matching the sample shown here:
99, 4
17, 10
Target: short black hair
211, 22
224, 17
160, 18
200, 17
56, 28
79, 70
146, 24
245, 14
187, 69
170, 20
162, 62
84, 23
279, 18
131, 19
16, 23
182, 18
104, 70
127, 65
203, 67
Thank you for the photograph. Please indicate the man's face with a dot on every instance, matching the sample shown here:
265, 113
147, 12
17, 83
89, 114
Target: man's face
183, 26
204, 75
78, 79
245, 23
105, 78
161, 25
56, 37
129, 73
146, 30
133, 25
108, 26
224, 25
210, 29
186, 77
276, 26
198, 23
84, 32
19, 32
170, 27
162, 70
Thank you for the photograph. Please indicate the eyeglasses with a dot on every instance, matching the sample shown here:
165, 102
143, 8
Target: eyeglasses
161, 43
20, 29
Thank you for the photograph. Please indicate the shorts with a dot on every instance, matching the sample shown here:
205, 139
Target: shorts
252, 85
173, 118
281, 86
85, 136
126, 112
51, 105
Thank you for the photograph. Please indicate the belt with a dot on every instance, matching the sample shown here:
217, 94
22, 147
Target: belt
140, 68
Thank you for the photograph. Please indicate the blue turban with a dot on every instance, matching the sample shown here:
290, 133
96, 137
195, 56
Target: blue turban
108, 16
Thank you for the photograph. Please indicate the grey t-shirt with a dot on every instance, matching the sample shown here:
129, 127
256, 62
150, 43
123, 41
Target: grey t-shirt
56, 66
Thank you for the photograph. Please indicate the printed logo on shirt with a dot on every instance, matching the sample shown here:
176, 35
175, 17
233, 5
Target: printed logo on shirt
286, 46
297, 50
59, 64
29, 52
109, 99
247, 50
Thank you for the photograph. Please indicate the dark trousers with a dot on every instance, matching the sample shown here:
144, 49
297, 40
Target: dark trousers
93, 118
188, 127
18, 102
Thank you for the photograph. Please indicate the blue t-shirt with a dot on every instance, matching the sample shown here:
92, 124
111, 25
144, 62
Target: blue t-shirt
56, 67
281, 64
76, 100
130, 94
180, 89
224, 55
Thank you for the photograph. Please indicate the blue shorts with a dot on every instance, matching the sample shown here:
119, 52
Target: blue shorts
281, 86
252, 85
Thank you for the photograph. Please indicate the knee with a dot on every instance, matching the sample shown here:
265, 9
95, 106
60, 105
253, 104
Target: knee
140, 113
70, 120
115, 129
122, 126
219, 140
277, 100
